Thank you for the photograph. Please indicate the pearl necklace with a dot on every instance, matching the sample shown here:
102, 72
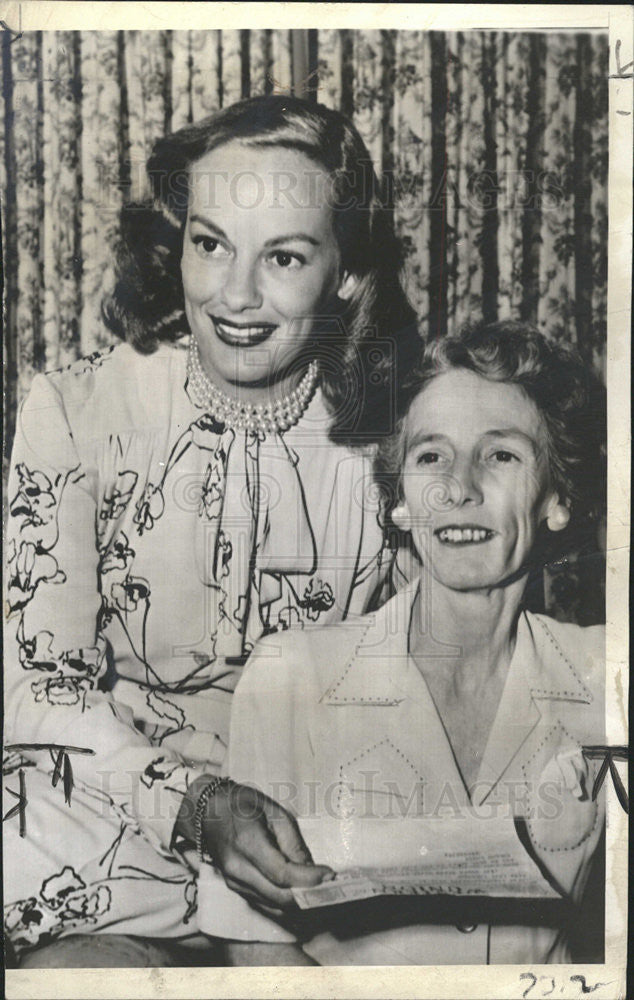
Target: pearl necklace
267, 418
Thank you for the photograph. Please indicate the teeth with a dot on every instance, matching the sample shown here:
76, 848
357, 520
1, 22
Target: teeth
243, 331
457, 535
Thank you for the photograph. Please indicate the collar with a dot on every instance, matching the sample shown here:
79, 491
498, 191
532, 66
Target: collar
379, 673
373, 675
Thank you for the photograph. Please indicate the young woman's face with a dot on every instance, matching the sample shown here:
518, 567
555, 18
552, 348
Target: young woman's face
475, 480
260, 260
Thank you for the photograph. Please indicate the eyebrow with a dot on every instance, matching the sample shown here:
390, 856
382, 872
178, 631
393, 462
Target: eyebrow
208, 224
504, 432
510, 432
420, 438
274, 241
292, 238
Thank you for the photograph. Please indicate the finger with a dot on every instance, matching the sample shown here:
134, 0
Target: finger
289, 839
246, 879
255, 900
258, 847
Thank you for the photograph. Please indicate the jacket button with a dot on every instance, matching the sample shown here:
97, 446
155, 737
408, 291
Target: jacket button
466, 928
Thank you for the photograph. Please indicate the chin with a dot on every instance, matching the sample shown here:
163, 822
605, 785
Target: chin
466, 578
239, 371
478, 580
248, 376
243, 367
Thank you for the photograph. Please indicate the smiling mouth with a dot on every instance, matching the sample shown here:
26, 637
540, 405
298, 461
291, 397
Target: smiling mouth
463, 535
242, 334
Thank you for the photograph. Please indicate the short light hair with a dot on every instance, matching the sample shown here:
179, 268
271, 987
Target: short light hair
568, 396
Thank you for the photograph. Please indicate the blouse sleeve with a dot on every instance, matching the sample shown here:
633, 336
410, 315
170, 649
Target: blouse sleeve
264, 747
56, 658
269, 743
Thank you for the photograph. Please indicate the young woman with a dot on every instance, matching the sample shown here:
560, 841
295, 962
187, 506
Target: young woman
452, 697
172, 499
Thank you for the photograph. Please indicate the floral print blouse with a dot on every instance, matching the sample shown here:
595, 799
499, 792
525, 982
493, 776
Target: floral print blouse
149, 546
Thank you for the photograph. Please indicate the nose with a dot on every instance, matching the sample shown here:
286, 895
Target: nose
464, 485
241, 289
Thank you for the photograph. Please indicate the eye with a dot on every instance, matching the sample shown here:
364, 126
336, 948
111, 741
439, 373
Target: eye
503, 457
208, 246
287, 261
429, 458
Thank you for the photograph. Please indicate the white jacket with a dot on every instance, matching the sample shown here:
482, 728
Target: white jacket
322, 715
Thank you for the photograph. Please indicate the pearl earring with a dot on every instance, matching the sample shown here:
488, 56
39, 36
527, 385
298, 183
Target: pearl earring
558, 518
400, 516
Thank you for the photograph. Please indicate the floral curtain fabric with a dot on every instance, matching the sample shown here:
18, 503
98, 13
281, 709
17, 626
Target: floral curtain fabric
494, 146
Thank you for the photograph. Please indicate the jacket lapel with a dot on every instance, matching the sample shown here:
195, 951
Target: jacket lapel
378, 676
541, 678
373, 674
392, 727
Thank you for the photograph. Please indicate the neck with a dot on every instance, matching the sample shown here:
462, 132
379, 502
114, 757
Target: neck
482, 624
259, 392
248, 412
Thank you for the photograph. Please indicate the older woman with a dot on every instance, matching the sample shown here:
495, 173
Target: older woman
171, 500
453, 696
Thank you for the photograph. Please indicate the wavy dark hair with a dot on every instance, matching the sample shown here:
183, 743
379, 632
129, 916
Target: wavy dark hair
568, 395
366, 349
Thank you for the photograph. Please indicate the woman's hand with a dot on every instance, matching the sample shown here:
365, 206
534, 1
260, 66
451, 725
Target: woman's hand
256, 844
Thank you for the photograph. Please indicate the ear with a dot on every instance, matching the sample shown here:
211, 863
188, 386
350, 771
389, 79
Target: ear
557, 514
347, 286
401, 518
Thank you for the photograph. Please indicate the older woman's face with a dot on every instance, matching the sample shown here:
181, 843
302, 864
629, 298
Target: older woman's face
475, 480
260, 260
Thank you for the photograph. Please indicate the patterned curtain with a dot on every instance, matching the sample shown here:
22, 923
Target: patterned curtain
497, 146
494, 146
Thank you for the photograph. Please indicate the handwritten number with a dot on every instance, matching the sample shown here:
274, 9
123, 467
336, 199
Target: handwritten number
584, 988
528, 975
621, 71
